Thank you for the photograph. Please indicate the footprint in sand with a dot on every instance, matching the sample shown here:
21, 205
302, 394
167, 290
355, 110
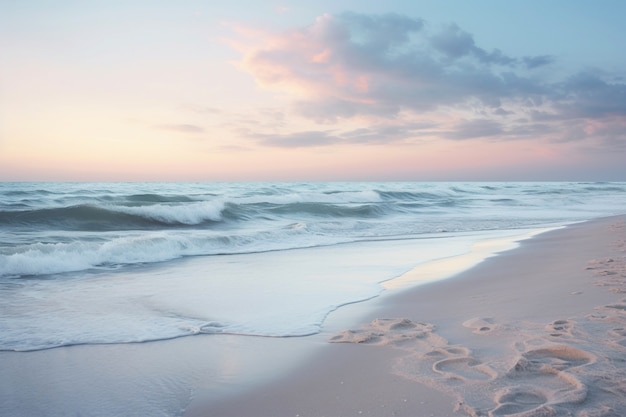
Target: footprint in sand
519, 402
464, 369
455, 362
621, 308
560, 328
558, 357
355, 336
612, 272
448, 351
546, 368
600, 412
600, 265
446, 367
610, 313
618, 337
524, 399
399, 332
484, 325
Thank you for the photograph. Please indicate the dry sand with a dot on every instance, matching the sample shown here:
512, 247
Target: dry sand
536, 331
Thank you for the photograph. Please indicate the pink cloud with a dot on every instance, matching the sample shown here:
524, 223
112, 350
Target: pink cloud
381, 66
308, 62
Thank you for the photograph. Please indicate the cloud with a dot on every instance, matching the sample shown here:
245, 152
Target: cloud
370, 67
532, 62
479, 128
587, 94
377, 134
382, 134
194, 108
182, 128
296, 140
384, 62
456, 43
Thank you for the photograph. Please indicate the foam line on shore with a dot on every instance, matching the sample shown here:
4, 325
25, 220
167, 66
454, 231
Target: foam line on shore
444, 268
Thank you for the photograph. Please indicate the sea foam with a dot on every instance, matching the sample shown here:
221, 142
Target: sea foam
274, 294
190, 214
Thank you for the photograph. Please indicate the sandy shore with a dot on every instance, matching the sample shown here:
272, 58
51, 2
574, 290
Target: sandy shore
536, 331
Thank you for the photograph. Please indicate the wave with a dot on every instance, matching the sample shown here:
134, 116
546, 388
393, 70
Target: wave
153, 211
182, 214
99, 211
138, 223
149, 247
74, 218
328, 197
609, 188
102, 218
158, 198
411, 195
329, 210
51, 258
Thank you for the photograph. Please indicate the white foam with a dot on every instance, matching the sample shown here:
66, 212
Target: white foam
188, 213
284, 293
47, 258
146, 247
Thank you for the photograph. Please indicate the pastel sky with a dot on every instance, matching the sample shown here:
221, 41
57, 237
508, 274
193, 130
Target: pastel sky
326, 90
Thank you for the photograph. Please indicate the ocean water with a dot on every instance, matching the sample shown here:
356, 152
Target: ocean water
109, 263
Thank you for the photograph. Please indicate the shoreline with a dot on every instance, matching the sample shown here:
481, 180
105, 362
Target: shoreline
164, 377
516, 334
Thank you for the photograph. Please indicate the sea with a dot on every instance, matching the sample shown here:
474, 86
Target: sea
150, 299
112, 263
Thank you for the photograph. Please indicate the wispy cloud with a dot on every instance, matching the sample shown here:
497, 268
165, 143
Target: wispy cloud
533, 62
477, 128
375, 134
205, 110
353, 65
296, 139
182, 128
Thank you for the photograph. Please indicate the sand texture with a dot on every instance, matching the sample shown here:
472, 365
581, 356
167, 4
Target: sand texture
536, 331
569, 366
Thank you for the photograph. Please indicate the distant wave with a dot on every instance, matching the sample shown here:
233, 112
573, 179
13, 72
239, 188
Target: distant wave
148, 247
153, 211
188, 214
71, 227
90, 217
157, 198
328, 210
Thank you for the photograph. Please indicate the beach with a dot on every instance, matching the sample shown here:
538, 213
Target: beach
312, 299
536, 331
333, 208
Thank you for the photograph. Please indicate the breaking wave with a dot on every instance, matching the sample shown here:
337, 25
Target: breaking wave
58, 227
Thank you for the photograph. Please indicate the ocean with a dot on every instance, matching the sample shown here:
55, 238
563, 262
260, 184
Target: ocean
116, 263
147, 299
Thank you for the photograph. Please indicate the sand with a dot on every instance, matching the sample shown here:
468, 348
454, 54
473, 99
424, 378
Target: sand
536, 331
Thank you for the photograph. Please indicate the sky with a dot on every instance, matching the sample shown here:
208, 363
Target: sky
341, 90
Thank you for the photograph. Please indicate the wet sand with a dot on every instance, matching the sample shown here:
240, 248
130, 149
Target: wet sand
536, 331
